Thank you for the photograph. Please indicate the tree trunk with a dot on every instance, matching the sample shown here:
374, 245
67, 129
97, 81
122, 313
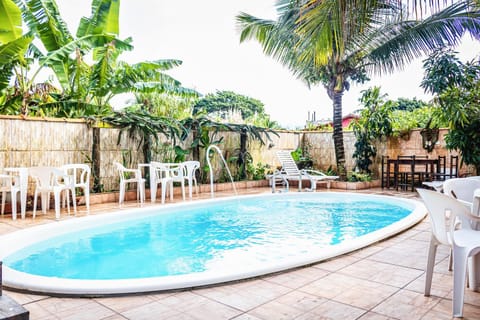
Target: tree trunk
338, 133
147, 158
97, 186
241, 156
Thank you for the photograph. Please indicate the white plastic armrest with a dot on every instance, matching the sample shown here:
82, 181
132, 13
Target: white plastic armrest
454, 222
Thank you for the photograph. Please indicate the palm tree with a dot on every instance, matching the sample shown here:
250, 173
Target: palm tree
338, 42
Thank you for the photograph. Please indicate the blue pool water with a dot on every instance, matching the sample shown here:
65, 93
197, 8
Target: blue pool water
199, 238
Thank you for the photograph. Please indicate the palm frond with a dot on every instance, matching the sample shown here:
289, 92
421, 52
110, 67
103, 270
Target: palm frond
398, 43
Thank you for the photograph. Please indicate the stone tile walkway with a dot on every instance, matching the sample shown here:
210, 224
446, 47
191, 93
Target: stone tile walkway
382, 281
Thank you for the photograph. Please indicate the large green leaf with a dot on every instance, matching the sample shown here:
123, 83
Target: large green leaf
103, 70
14, 50
89, 41
43, 17
62, 65
10, 21
10, 54
104, 19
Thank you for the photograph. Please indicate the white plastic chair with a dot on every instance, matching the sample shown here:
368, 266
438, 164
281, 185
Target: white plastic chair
177, 174
130, 176
461, 189
167, 174
439, 222
47, 180
159, 174
79, 177
466, 244
8, 184
190, 168
20, 180
464, 240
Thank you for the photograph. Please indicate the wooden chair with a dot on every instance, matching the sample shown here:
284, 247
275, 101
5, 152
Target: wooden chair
387, 176
445, 172
414, 173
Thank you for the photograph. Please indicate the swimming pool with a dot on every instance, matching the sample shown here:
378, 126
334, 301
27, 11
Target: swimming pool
198, 243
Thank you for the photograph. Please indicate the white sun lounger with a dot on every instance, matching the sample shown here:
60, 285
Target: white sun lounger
290, 171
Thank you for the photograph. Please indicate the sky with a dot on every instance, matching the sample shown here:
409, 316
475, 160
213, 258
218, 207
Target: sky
203, 34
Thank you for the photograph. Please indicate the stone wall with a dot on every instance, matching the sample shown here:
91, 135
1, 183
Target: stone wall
412, 145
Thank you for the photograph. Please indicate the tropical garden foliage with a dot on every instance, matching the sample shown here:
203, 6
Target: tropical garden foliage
86, 73
456, 86
374, 123
223, 104
336, 43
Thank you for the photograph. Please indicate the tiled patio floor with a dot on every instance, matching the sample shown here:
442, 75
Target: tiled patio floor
383, 281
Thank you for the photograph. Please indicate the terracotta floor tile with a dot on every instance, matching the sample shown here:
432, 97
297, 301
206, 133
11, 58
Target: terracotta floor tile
151, 311
297, 278
121, 304
400, 254
332, 310
276, 310
374, 316
23, 298
115, 317
441, 285
337, 263
385, 273
357, 296
95, 311
265, 289
443, 310
59, 305
183, 301
330, 286
300, 300
212, 310
368, 251
239, 299
381, 282
69, 309
246, 316
38, 311
406, 305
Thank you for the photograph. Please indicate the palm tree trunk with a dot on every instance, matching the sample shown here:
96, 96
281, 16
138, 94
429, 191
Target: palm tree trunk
97, 186
338, 133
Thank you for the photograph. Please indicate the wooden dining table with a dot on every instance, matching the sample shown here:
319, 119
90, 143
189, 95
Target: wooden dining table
431, 166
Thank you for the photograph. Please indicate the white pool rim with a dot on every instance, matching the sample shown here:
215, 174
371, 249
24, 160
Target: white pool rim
17, 240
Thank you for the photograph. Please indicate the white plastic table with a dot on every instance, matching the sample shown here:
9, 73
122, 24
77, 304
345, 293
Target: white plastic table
169, 168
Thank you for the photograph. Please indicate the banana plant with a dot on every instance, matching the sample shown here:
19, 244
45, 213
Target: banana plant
13, 44
63, 53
